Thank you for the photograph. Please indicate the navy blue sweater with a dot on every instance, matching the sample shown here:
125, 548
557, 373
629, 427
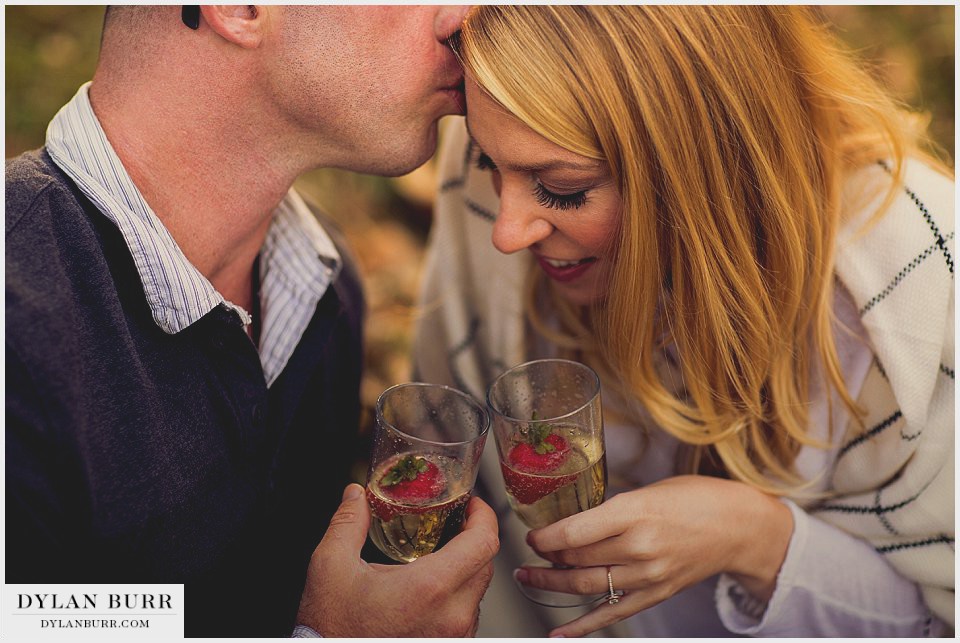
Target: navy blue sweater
134, 456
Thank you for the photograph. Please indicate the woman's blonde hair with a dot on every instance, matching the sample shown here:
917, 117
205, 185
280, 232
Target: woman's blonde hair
729, 131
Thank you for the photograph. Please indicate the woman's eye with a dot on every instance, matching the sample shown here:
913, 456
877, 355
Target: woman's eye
484, 162
549, 199
544, 197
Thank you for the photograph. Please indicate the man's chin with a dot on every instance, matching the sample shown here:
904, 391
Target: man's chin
397, 156
406, 160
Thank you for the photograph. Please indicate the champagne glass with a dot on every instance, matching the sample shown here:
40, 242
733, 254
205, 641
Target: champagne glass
426, 446
548, 427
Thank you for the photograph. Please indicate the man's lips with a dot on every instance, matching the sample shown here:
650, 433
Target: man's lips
457, 94
564, 271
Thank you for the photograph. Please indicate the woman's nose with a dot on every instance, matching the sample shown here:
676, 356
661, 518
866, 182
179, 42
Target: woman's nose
518, 225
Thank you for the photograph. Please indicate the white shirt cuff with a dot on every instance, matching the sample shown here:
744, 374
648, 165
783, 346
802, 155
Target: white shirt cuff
830, 584
738, 610
304, 632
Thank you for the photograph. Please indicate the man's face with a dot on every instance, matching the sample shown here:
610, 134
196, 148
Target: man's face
367, 83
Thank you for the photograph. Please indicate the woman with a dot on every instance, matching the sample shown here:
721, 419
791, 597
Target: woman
727, 218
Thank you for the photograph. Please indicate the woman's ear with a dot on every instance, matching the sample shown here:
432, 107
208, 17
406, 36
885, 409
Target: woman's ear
240, 24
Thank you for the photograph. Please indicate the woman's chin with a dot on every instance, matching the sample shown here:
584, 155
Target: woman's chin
579, 294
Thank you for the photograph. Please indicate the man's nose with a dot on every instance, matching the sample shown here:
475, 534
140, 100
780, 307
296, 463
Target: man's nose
518, 226
448, 20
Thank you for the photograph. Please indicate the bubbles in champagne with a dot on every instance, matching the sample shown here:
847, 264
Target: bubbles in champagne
404, 531
554, 497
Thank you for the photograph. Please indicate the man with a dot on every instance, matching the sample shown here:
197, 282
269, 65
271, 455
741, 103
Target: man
183, 337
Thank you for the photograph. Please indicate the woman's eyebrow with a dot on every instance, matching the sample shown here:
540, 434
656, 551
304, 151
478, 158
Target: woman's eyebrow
552, 164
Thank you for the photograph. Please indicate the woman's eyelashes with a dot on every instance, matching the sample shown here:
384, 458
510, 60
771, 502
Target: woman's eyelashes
550, 199
545, 197
484, 162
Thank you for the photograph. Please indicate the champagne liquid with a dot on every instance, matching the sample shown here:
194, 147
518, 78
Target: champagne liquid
409, 536
582, 488
405, 531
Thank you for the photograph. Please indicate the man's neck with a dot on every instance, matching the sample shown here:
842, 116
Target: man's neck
206, 175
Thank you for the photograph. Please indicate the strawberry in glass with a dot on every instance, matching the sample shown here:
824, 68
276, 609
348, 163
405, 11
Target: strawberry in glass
418, 504
548, 423
548, 478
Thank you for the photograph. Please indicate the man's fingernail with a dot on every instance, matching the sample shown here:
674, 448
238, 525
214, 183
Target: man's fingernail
521, 575
557, 636
352, 492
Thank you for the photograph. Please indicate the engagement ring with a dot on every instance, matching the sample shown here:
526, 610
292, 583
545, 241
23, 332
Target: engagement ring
613, 598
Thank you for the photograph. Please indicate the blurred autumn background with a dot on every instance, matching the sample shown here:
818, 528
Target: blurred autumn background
52, 50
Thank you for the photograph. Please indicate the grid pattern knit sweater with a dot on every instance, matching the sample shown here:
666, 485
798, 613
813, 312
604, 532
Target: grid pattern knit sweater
892, 484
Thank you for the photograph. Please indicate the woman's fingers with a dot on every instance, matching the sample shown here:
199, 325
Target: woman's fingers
589, 580
611, 551
640, 587
606, 614
593, 580
582, 529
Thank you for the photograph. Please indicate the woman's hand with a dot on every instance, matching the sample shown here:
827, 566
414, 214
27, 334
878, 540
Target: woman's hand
659, 540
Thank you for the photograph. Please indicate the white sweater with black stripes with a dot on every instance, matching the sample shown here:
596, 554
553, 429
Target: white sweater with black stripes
894, 482
891, 484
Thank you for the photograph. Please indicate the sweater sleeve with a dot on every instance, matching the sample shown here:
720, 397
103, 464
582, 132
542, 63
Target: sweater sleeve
831, 584
37, 531
893, 482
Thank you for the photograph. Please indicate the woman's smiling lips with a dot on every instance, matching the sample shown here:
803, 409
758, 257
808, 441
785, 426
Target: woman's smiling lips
564, 270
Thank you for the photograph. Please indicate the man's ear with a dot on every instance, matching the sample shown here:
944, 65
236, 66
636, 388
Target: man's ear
241, 24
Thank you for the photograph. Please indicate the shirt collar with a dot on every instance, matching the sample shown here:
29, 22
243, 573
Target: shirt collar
177, 293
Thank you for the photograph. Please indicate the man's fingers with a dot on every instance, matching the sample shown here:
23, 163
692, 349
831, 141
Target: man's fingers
480, 515
464, 601
348, 527
470, 551
477, 586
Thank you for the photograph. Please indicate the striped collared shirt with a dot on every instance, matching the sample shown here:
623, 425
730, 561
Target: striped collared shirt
298, 260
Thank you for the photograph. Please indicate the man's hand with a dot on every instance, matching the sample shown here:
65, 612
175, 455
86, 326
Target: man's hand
435, 596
